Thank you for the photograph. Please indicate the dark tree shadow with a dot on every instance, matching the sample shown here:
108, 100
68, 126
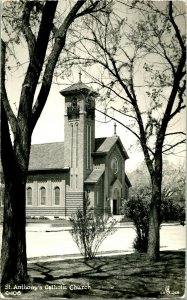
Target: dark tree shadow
113, 277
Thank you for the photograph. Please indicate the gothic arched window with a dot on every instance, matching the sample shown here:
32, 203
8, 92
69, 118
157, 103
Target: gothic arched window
114, 165
57, 195
29, 196
116, 194
43, 196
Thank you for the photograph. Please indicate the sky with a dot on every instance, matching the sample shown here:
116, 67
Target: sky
50, 126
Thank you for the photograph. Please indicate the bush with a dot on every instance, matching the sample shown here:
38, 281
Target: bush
89, 230
137, 210
172, 212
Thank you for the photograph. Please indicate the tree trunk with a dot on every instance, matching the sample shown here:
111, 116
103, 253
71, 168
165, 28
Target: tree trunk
13, 252
154, 219
14, 258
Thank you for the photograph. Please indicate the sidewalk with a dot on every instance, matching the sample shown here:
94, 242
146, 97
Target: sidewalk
50, 227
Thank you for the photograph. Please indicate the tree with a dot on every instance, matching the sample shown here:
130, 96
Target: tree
42, 30
173, 184
140, 49
172, 204
173, 193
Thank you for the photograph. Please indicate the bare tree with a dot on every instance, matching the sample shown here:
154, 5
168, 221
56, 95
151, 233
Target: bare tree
42, 29
139, 54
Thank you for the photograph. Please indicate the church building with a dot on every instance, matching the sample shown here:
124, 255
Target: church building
63, 174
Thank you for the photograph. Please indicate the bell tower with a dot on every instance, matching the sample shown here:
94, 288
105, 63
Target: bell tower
79, 132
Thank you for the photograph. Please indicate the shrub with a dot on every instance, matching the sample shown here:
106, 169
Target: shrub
89, 230
137, 210
172, 212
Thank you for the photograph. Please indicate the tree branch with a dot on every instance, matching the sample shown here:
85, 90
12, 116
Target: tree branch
178, 132
133, 117
173, 146
177, 31
88, 10
36, 62
101, 83
176, 86
8, 110
30, 38
128, 128
132, 98
60, 38
180, 106
167, 57
112, 118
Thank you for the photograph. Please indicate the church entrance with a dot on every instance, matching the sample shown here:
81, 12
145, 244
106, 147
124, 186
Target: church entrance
115, 207
115, 196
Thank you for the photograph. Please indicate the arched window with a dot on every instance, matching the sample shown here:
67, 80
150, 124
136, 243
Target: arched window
74, 102
116, 194
57, 195
29, 196
114, 165
43, 196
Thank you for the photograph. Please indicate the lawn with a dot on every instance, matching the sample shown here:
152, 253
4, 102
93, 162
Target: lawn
110, 277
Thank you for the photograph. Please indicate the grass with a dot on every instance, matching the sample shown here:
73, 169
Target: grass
112, 277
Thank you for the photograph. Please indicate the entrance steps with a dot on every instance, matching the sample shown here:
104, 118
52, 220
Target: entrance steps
118, 218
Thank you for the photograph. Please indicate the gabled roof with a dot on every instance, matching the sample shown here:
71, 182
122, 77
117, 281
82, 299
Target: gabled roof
127, 181
50, 156
47, 156
104, 145
98, 142
94, 176
78, 88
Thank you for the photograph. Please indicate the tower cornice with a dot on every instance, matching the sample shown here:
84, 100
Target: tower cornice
79, 88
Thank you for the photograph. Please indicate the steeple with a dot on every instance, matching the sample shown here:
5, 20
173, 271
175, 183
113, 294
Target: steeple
78, 88
80, 75
79, 132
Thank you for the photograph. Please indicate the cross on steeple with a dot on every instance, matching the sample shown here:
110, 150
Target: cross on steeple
80, 74
115, 125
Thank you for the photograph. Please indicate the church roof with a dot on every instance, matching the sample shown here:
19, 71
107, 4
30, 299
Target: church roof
50, 156
94, 176
127, 181
47, 156
104, 145
77, 88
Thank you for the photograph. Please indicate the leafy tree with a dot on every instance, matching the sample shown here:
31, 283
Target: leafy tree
173, 185
90, 230
41, 29
173, 194
137, 207
138, 49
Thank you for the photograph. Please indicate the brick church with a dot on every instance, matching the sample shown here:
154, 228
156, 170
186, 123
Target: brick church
63, 174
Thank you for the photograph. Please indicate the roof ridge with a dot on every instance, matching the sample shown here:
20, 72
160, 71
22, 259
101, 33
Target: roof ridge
47, 143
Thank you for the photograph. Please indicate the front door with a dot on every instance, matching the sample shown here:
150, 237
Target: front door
114, 207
